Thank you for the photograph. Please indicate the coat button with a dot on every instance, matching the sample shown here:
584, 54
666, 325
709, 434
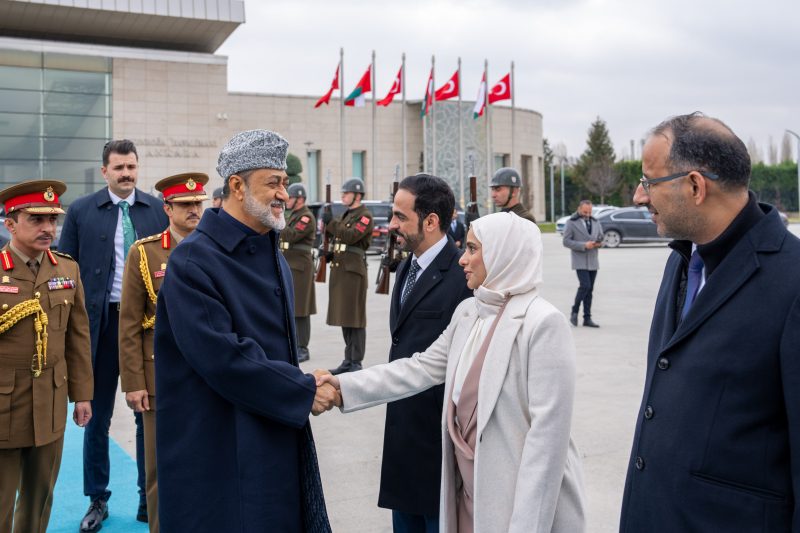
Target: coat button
663, 363
252, 249
96, 271
395, 341
639, 462
152, 356
648, 412
102, 237
278, 291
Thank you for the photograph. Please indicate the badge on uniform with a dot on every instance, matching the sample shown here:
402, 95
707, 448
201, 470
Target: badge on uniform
54, 284
360, 227
8, 289
6, 279
300, 226
305, 219
159, 273
365, 220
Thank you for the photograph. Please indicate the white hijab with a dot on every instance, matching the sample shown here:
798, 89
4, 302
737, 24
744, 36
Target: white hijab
512, 256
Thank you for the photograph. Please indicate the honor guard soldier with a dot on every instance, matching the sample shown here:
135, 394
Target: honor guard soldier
45, 354
297, 241
506, 189
145, 269
347, 301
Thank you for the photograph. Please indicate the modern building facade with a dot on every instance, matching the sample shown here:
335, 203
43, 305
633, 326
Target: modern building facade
76, 73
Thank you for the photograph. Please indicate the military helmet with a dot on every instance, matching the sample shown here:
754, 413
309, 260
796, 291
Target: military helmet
296, 190
354, 185
507, 177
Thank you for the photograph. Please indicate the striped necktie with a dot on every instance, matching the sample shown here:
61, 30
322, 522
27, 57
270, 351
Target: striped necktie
410, 281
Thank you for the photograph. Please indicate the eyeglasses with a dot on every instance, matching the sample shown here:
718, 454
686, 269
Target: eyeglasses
647, 182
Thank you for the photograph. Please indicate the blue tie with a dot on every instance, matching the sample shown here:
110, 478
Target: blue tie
410, 281
128, 233
694, 276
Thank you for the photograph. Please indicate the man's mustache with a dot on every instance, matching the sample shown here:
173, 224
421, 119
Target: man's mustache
125, 179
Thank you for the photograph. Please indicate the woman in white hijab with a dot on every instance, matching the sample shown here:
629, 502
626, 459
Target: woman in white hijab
508, 363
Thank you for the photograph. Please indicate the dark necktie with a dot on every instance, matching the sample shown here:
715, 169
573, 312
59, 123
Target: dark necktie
589, 225
410, 281
128, 233
694, 276
33, 264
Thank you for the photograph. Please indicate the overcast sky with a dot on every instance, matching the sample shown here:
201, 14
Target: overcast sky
630, 62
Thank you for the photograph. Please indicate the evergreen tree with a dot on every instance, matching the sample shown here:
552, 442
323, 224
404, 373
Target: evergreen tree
596, 166
293, 168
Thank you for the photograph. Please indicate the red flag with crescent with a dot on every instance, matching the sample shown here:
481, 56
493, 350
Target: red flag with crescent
426, 104
326, 98
397, 88
448, 90
502, 90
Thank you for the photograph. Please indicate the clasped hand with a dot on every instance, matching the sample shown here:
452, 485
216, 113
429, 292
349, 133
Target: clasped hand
328, 395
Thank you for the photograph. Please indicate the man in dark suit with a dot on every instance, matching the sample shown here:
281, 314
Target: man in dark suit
457, 231
98, 231
428, 287
716, 445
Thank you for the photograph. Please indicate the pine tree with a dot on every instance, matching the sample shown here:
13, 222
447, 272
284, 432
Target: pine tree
596, 166
293, 168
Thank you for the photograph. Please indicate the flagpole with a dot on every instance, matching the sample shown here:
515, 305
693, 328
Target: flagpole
341, 114
433, 110
460, 140
513, 93
403, 114
488, 135
374, 144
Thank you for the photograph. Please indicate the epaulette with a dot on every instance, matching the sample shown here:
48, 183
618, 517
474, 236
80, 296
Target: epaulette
151, 238
62, 254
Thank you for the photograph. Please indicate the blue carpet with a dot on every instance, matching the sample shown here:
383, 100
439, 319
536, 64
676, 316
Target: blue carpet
69, 503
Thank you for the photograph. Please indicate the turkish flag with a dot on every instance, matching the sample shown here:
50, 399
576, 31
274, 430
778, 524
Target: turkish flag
501, 91
397, 88
448, 90
426, 104
327, 97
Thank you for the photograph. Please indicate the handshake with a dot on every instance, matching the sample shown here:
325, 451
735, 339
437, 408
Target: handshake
328, 394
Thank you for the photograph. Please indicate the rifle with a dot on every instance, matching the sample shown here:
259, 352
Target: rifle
388, 253
471, 213
322, 264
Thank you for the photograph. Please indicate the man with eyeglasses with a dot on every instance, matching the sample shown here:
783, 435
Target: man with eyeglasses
716, 446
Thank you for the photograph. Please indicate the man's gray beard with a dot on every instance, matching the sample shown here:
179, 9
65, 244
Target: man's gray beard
262, 212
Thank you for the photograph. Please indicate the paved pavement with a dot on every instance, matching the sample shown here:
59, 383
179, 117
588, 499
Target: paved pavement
611, 366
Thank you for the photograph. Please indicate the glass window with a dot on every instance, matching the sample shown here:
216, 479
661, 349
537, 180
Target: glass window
76, 104
13, 171
19, 101
20, 78
25, 124
73, 125
629, 215
312, 173
498, 161
76, 62
19, 148
81, 177
358, 165
76, 82
71, 149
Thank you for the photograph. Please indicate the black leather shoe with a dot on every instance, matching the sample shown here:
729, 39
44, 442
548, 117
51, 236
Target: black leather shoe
141, 512
354, 367
93, 520
303, 355
573, 319
342, 368
589, 324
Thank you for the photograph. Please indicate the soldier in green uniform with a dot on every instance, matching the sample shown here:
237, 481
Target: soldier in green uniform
297, 241
45, 354
351, 235
145, 269
506, 188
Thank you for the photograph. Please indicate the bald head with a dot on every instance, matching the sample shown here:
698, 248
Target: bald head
698, 142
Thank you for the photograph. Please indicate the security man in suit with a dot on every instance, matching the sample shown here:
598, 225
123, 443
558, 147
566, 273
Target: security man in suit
297, 243
351, 234
506, 187
583, 234
145, 269
42, 314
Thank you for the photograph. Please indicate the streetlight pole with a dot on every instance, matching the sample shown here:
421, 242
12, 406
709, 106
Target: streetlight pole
552, 194
796, 136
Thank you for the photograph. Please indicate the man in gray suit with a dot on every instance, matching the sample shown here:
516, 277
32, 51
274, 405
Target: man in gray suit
583, 235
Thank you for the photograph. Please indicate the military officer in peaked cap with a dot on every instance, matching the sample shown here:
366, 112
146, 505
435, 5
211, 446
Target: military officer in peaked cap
45, 354
145, 269
347, 301
297, 242
506, 188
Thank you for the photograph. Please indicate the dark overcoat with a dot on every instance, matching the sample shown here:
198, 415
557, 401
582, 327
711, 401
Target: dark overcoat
412, 442
88, 236
347, 294
717, 441
297, 241
233, 443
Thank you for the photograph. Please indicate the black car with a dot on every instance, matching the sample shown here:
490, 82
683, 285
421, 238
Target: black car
381, 213
629, 225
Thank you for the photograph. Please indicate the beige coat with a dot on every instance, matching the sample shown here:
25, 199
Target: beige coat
528, 476
301, 228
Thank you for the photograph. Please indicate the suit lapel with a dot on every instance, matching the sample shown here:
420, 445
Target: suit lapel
426, 281
399, 279
498, 356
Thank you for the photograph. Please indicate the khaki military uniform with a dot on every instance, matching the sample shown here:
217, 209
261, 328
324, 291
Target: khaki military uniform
145, 269
36, 380
521, 211
297, 241
351, 235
